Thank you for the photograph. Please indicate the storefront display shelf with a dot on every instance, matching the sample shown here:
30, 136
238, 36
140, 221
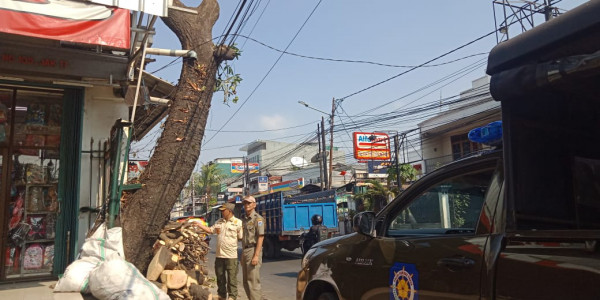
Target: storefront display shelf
41, 212
40, 241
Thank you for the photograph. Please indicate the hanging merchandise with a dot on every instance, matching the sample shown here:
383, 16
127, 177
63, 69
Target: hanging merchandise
16, 212
48, 257
52, 140
50, 224
35, 114
35, 201
38, 228
17, 235
51, 200
33, 258
35, 140
11, 262
54, 115
18, 173
35, 173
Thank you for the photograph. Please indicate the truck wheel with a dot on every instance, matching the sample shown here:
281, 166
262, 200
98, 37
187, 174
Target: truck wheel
268, 248
277, 253
327, 296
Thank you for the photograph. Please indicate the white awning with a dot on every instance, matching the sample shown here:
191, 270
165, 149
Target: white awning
154, 7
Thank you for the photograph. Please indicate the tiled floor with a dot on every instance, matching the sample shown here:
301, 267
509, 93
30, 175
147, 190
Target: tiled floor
34, 291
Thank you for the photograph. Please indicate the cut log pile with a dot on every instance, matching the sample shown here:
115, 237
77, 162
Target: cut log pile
177, 263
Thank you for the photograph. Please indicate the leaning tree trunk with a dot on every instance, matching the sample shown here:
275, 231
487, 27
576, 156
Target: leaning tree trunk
146, 211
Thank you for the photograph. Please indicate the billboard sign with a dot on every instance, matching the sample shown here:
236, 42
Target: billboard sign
371, 146
287, 185
379, 167
239, 167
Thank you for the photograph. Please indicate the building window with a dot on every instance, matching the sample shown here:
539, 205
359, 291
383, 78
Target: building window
461, 146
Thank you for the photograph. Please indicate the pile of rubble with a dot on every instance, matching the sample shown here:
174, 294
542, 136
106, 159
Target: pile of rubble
176, 266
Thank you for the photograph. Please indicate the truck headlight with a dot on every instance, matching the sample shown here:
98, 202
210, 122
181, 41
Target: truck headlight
307, 256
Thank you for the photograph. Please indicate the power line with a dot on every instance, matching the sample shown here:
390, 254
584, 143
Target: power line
359, 61
416, 67
265, 130
266, 75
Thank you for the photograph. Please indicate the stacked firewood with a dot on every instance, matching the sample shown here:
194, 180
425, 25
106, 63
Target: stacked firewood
176, 266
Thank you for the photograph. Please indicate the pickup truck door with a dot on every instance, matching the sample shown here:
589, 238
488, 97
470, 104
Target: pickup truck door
432, 242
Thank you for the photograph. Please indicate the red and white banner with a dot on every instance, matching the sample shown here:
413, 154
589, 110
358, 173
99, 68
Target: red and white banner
66, 20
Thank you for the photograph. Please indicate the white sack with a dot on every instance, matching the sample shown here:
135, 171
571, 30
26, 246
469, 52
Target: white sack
104, 244
120, 280
76, 276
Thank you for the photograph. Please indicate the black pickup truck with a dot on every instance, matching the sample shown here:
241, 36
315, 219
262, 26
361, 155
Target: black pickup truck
522, 222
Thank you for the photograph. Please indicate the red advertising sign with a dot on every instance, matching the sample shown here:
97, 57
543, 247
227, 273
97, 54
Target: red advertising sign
73, 21
371, 146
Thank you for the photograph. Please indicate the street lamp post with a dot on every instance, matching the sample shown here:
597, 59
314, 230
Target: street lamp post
330, 174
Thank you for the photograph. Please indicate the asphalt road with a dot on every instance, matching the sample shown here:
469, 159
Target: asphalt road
278, 276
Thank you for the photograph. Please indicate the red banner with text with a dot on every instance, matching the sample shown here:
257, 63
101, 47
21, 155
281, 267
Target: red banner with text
65, 20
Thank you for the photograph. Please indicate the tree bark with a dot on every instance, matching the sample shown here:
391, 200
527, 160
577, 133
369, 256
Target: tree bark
145, 212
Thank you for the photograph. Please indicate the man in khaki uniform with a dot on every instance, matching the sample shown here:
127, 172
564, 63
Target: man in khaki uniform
252, 241
229, 231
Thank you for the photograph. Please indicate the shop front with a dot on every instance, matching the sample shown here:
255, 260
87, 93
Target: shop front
61, 92
39, 137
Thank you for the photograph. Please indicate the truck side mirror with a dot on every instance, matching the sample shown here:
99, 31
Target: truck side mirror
364, 223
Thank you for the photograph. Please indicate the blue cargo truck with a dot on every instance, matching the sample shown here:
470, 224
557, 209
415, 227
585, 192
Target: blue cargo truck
287, 217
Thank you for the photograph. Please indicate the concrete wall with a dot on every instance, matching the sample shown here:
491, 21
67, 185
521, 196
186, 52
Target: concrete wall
101, 110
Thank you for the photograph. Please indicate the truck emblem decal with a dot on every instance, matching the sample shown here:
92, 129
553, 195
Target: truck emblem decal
364, 261
404, 282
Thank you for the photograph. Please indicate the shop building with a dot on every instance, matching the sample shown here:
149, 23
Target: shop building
62, 89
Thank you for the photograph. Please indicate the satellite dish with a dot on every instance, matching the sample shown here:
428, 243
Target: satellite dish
298, 162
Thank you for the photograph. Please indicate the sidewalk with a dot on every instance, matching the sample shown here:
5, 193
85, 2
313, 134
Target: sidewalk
37, 290
41, 290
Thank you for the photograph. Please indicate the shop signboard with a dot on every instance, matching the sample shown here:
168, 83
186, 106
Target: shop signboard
371, 146
238, 167
64, 20
287, 185
263, 183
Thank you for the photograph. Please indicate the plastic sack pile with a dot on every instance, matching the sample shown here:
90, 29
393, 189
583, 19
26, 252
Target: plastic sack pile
102, 271
174, 272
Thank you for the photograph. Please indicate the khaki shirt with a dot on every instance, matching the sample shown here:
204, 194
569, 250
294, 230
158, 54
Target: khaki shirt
227, 239
254, 226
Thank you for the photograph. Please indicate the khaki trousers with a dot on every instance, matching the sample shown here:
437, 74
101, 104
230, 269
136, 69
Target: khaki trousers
226, 270
251, 275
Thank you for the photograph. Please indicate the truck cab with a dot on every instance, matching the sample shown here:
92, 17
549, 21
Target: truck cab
520, 222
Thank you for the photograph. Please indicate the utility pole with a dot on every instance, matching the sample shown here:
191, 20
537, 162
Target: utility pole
246, 177
331, 143
397, 153
320, 155
324, 153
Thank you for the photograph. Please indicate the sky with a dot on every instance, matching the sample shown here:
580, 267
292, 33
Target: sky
391, 32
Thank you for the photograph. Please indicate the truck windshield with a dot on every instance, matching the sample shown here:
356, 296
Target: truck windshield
454, 204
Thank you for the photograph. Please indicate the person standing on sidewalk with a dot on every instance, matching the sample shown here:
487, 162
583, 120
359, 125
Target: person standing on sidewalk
252, 241
229, 231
